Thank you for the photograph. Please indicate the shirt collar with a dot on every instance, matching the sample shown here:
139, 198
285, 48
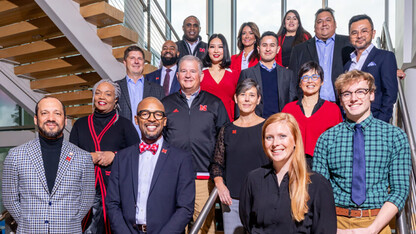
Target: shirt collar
331, 39
364, 124
353, 54
266, 68
173, 68
192, 95
130, 80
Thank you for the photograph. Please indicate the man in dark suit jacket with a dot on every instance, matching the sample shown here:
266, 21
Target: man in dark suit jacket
164, 77
191, 43
151, 187
278, 84
134, 87
379, 63
319, 49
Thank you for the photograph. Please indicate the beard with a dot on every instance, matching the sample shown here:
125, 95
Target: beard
169, 61
51, 134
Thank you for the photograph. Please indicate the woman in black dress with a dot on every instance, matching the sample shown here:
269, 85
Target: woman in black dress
283, 197
102, 133
237, 152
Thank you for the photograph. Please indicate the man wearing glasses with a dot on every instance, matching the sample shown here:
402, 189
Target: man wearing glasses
151, 187
379, 63
366, 160
194, 118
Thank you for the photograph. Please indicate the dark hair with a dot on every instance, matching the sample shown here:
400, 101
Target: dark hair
301, 34
132, 48
311, 65
37, 105
256, 32
247, 84
268, 33
192, 16
356, 18
226, 59
327, 9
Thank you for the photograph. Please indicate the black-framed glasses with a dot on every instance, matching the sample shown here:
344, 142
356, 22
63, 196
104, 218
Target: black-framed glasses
307, 78
359, 93
145, 114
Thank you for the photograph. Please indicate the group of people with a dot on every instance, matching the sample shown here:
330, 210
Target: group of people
292, 131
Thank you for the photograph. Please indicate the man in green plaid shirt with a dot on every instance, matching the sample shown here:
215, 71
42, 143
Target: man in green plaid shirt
387, 160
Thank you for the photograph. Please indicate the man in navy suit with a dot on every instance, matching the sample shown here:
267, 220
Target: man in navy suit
166, 76
379, 63
134, 87
151, 188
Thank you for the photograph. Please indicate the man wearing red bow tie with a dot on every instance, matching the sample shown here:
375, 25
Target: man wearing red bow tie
151, 187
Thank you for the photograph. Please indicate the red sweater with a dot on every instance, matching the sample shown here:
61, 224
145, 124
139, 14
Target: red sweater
311, 128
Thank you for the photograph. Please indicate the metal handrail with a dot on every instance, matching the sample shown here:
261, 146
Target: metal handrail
386, 42
204, 213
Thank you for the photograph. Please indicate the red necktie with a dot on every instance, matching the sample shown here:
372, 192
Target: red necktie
166, 82
146, 147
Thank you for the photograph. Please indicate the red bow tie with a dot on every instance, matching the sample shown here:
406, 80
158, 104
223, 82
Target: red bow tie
146, 147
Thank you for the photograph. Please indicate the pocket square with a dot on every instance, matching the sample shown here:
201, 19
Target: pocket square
371, 64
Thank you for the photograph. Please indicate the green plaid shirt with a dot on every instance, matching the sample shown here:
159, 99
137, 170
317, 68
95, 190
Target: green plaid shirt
387, 156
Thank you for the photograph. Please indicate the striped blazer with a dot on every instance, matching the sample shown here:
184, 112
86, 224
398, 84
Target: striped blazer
26, 195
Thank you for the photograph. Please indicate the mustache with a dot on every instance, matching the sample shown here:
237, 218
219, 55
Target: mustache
51, 121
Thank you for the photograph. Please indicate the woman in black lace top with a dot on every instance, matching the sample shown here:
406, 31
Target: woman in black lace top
238, 151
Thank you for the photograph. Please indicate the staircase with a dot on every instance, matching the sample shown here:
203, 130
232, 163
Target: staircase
54, 55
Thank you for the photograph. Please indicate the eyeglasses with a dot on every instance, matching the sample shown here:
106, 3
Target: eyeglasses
360, 93
363, 32
145, 114
307, 78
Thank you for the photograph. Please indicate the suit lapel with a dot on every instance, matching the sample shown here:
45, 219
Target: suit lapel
65, 160
335, 58
146, 89
160, 164
135, 169
125, 91
370, 58
36, 157
312, 50
281, 86
257, 75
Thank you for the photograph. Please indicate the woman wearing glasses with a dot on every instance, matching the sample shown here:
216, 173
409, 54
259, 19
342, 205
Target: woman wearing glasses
313, 114
102, 133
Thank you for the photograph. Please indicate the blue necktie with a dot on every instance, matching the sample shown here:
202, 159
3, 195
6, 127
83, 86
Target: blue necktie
358, 167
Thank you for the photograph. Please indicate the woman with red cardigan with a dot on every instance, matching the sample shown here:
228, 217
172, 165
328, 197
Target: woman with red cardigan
248, 40
313, 114
290, 34
218, 79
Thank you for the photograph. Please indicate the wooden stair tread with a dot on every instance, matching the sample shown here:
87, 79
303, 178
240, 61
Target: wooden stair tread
86, 2
63, 83
102, 14
79, 111
117, 35
39, 50
54, 67
77, 97
28, 31
19, 11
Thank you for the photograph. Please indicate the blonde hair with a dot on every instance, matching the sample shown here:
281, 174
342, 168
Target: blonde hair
298, 175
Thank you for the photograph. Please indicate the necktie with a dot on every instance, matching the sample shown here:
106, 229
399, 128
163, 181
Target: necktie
146, 147
166, 82
358, 187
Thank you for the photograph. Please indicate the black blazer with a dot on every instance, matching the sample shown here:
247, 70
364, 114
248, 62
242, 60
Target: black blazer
170, 204
149, 90
286, 83
382, 65
306, 52
154, 77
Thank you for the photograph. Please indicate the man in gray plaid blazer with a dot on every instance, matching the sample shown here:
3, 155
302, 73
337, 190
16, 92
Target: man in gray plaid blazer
134, 87
48, 183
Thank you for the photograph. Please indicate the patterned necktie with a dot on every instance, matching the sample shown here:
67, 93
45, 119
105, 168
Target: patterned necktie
166, 82
151, 148
358, 187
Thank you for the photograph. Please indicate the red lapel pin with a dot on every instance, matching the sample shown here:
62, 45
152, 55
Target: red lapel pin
164, 151
234, 131
68, 158
157, 78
